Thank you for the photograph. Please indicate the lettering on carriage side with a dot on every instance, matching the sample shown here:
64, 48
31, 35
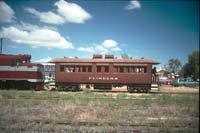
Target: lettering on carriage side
103, 78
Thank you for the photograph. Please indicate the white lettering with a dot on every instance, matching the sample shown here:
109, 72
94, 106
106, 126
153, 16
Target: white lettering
103, 78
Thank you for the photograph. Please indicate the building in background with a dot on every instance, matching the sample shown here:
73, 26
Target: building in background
165, 77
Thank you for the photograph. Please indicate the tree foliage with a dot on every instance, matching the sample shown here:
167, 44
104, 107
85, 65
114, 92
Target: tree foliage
191, 69
125, 56
173, 66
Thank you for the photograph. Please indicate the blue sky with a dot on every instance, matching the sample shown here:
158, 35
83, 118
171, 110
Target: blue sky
46, 29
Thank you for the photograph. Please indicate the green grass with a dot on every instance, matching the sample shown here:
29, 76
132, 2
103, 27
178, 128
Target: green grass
102, 112
120, 99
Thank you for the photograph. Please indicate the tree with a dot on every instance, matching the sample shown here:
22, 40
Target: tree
191, 69
173, 66
124, 56
186, 71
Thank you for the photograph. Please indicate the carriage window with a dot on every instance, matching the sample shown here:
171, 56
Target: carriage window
83, 68
78, 69
61, 68
143, 69
140, 69
115, 69
127, 69
121, 69
89, 68
131, 69
98, 69
70, 68
106, 69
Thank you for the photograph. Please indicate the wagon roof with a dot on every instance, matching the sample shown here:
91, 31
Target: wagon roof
87, 60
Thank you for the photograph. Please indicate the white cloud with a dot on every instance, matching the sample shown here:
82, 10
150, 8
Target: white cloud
44, 59
46, 17
6, 13
65, 12
103, 48
72, 12
36, 37
86, 49
29, 27
134, 4
109, 43
116, 49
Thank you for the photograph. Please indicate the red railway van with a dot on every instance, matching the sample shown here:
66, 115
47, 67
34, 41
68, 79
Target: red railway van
17, 72
103, 73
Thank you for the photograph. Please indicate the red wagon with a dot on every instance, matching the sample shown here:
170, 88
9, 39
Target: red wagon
103, 73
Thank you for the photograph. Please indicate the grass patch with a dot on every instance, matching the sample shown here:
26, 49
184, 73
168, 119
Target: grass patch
96, 112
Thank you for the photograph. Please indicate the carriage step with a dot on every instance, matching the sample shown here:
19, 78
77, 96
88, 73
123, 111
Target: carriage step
155, 87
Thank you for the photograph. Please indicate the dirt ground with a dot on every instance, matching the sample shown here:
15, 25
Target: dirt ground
165, 88
169, 88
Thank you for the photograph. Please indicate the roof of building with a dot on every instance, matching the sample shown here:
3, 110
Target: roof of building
103, 60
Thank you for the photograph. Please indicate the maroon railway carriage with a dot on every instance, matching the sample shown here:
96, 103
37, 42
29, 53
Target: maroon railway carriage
103, 73
17, 72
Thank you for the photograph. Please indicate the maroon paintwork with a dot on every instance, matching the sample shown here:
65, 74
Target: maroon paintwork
17, 71
5, 60
111, 77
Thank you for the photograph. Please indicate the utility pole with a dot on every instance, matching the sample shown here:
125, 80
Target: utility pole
1, 45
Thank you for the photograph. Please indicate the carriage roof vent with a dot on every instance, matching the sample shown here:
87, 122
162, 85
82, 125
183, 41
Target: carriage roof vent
109, 56
97, 56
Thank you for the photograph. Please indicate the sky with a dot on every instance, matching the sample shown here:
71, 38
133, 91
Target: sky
46, 29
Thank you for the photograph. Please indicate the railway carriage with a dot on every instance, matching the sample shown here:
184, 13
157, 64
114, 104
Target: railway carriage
104, 73
17, 72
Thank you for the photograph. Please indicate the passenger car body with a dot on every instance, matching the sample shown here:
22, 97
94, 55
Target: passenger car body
104, 72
